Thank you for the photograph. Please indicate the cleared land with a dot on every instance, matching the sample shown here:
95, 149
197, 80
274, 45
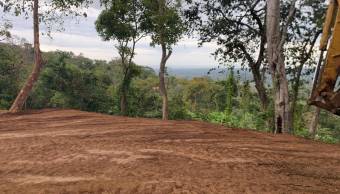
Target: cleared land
67, 151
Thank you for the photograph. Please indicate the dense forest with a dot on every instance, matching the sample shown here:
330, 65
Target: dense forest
275, 41
71, 81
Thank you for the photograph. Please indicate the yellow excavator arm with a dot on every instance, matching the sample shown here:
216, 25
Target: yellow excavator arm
326, 87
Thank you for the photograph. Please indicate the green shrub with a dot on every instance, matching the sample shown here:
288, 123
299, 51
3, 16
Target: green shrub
59, 100
326, 135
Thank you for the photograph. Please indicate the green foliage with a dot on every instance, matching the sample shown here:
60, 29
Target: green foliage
244, 108
302, 132
323, 134
144, 99
203, 95
120, 20
245, 96
239, 120
67, 85
300, 121
9, 75
177, 108
219, 21
163, 22
217, 117
326, 135
231, 90
60, 100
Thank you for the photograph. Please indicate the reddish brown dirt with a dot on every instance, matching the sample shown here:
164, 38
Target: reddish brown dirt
66, 151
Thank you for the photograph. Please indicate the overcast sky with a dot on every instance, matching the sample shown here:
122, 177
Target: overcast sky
81, 37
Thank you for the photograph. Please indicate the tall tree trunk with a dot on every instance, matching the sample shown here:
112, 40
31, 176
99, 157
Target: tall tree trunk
162, 86
276, 63
27, 88
314, 123
282, 100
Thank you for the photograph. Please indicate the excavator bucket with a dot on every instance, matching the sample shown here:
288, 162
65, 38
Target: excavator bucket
326, 88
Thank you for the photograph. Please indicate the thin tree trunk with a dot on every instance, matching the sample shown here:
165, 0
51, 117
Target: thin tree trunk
297, 81
162, 89
255, 69
295, 95
162, 85
315, 121
123, 103
124, 90
27, 88
314, 124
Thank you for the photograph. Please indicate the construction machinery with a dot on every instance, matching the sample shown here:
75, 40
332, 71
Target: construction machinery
326, 86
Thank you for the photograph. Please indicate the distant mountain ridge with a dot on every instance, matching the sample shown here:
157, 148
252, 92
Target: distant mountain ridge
221, 74
215, 74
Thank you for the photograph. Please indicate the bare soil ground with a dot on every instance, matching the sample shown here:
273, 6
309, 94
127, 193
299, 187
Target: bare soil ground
67, 151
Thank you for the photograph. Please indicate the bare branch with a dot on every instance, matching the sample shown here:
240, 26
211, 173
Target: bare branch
290, 18
246, 54
168, 55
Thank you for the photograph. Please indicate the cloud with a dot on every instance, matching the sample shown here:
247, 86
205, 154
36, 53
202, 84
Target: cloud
80, 36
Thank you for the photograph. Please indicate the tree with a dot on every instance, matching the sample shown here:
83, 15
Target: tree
303, 35
231, 88
166, 27
23, 8
238, 28
245, 97
24, 92
276, 38
5, 26
121, 22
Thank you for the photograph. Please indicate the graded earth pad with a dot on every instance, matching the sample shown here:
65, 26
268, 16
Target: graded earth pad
67, 151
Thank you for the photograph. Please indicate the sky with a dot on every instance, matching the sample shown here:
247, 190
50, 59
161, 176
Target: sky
80, 37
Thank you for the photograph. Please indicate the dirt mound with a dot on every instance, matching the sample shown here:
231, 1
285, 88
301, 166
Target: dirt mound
67, 151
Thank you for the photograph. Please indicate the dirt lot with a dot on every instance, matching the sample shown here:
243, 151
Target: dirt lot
66, 151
